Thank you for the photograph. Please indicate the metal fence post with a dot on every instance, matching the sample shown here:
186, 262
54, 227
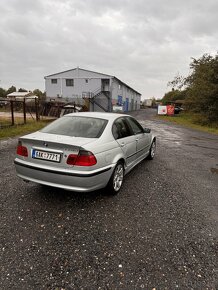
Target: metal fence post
12, 113
24, 110
36, 109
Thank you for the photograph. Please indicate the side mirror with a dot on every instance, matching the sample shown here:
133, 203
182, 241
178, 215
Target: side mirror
147, 130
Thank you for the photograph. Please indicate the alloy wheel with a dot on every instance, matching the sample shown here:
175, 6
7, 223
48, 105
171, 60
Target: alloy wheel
118, 177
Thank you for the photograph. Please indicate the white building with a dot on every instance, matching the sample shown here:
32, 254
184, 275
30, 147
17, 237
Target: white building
148, 102
100, 92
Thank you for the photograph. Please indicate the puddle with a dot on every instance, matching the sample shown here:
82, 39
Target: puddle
214, 170
205, 147
203, 138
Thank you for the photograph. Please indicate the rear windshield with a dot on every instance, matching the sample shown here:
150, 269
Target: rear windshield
76, 126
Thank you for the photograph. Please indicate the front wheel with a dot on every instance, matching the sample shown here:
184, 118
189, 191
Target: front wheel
152, 150
116, 180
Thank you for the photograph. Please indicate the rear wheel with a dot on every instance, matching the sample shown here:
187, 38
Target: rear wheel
116, 180
152, 150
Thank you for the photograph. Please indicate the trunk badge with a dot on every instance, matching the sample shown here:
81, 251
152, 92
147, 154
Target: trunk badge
45, 144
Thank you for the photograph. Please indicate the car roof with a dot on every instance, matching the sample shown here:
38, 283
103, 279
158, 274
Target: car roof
101, 115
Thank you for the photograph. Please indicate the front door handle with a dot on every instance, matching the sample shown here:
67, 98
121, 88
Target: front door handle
122, 144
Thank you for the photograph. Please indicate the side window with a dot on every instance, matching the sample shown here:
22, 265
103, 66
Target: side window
54, 81
115, 131
120, 129
135, 126
69, 82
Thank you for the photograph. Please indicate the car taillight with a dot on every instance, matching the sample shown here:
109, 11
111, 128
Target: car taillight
71, 159
22, 150
84, 158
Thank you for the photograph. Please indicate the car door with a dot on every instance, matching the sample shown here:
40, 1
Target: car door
142, 139
126, 140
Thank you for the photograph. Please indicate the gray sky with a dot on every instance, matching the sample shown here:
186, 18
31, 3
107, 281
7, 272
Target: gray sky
144, 43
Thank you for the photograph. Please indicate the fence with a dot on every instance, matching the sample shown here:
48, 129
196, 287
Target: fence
15, 109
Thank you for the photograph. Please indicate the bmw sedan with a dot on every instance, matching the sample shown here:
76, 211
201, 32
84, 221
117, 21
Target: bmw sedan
84, 151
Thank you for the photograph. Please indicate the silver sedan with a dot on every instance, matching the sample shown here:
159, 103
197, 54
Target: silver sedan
84, 151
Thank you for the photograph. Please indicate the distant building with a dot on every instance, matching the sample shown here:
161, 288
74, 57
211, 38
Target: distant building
15, 95
148, 102
99, 92
28, 96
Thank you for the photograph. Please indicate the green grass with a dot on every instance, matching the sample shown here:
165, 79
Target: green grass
19, 130
191, 121
6, 121
4, 109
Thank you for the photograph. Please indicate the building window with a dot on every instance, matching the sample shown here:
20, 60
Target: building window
120, 87
69, 82
87, 81
54, 81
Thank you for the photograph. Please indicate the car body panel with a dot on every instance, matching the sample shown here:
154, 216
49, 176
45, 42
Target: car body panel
66, 179
128, 147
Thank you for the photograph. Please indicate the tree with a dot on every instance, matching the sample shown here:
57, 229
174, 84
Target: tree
173, 96
200, 88
39, 94
22, 90
153, 104
2, 93
177, 83
11, 90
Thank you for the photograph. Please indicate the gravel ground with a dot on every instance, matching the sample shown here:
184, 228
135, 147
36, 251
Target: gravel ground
159, 233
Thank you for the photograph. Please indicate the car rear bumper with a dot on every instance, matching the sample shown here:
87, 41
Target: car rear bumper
64, 178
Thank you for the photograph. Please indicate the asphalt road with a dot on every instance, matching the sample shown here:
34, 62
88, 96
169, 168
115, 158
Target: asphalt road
160, 232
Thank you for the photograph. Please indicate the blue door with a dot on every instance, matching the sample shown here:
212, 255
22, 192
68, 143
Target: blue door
120, 101
126, 105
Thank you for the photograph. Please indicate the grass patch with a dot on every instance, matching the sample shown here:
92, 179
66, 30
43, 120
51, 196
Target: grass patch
6, 121
194, 121
3, 109
18, 130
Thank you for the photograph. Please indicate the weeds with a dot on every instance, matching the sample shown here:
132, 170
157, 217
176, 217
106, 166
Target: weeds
195, 121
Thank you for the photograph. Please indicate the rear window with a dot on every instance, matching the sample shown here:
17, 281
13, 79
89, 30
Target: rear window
76, 126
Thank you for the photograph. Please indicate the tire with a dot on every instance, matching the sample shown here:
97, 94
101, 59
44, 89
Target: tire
116, 181
152, 150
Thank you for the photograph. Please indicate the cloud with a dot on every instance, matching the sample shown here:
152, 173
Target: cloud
144, 43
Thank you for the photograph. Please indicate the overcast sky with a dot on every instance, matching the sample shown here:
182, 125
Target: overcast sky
143, 43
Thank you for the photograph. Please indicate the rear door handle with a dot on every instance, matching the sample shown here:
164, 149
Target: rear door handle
137, 139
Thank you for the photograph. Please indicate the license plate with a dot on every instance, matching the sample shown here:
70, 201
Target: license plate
44, 155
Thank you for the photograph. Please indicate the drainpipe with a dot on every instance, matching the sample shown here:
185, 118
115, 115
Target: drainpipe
110, 106
61, 87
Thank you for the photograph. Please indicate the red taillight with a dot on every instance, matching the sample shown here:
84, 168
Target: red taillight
84, 158
22, 150
71, 159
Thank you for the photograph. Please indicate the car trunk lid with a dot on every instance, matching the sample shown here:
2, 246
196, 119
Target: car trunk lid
52, 150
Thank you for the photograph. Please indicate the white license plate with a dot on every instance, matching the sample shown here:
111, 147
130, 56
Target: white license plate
44, 155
